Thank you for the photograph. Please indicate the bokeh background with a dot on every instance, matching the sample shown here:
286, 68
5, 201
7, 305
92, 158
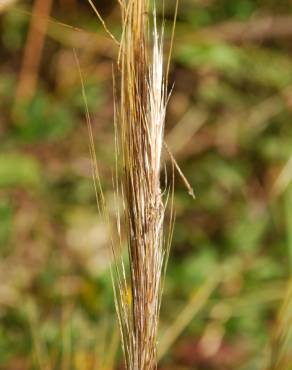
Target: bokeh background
227, 301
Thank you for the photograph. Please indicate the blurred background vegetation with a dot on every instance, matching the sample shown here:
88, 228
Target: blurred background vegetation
227, 301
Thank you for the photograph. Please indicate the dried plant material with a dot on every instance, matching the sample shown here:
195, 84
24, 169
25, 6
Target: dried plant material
33, 50
139, 125
102, 22
141, 116
181, 174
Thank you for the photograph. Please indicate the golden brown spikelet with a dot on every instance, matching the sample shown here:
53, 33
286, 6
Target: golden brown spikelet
141, 116
139, 123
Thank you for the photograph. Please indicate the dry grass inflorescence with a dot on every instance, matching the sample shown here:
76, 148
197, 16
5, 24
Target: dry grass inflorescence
140, 108
140, 116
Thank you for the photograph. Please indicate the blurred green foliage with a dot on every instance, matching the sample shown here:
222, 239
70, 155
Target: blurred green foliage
19, 170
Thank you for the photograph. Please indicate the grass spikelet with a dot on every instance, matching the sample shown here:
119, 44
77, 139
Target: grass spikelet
139, 124
141, 116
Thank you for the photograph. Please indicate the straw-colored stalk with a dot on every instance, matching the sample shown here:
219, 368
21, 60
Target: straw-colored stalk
140, 126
